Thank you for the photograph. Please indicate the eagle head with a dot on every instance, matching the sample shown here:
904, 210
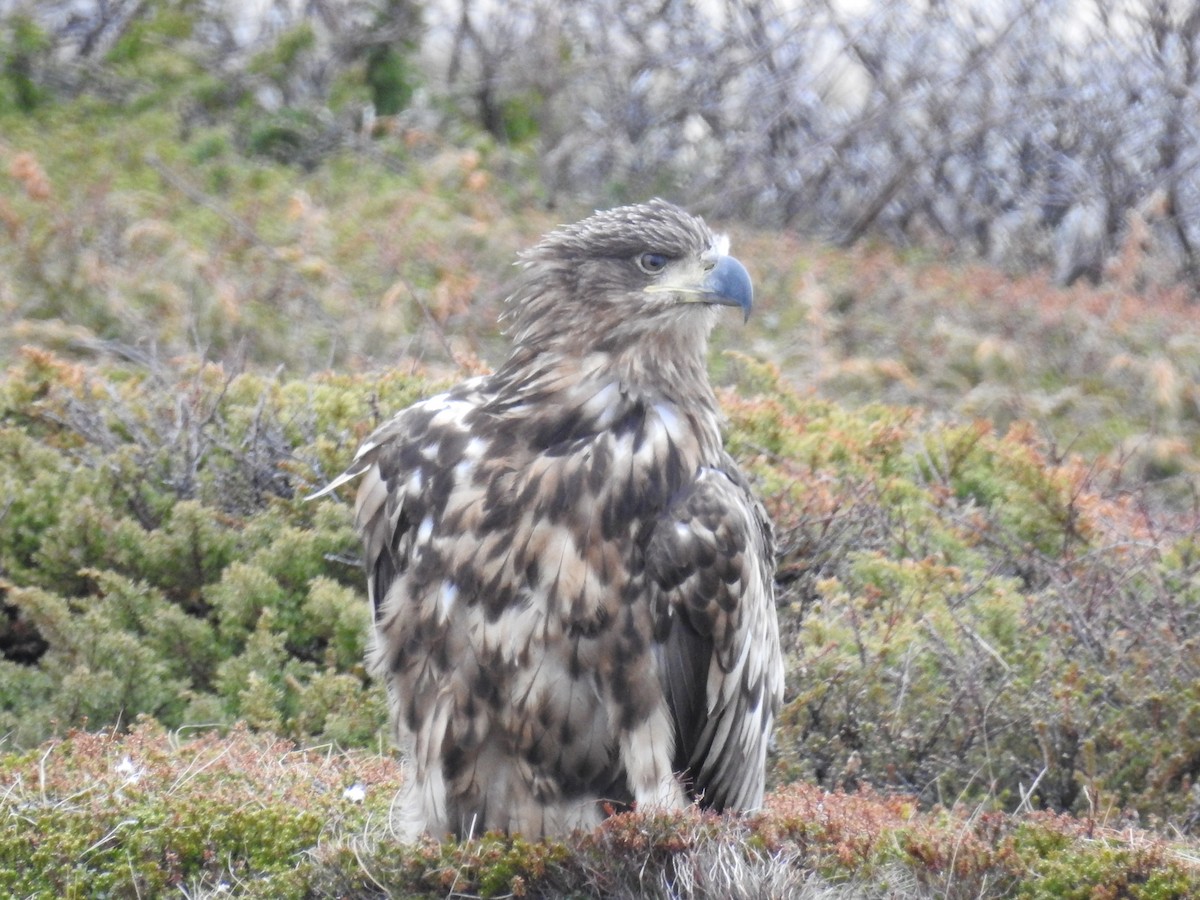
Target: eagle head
625, 274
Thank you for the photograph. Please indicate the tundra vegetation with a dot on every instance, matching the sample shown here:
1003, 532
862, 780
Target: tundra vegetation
970, 396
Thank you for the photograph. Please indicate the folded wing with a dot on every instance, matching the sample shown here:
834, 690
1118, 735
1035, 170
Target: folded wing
710, 563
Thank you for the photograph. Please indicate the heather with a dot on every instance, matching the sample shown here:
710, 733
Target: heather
153, 812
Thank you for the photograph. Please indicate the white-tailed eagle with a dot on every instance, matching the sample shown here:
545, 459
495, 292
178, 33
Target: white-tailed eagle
572, 582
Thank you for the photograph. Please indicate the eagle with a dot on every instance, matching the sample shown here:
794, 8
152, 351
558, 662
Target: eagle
571, 579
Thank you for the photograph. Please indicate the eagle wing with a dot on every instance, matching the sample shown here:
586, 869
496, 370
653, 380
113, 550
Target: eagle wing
407, 468
396, 463
710, 565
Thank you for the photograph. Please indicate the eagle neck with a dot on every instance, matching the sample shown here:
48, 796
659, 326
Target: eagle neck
603, 388
675, 381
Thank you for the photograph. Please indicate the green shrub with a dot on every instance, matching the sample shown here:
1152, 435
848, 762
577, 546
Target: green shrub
22, 44
292, 137
391, 78
159, 548
963, 615
151, 813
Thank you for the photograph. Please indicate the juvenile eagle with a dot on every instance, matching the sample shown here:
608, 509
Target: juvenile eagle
571, 581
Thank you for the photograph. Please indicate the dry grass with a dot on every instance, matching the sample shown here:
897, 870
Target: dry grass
204, 815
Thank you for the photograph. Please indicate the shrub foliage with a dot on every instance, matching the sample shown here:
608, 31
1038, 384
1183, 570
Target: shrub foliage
158, 556
966, 617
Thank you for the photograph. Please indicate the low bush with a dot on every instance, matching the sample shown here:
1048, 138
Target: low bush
158, 556
969, 617
154, 812
966, 617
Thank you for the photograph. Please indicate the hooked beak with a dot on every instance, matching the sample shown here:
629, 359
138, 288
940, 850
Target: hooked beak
727, 283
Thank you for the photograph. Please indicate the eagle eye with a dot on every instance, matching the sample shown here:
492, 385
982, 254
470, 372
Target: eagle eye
652, 263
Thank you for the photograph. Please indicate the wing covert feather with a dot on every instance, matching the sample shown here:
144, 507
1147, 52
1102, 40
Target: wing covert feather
711, 561
403, 465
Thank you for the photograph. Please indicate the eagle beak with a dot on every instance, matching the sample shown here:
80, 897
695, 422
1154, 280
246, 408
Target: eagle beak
728, 284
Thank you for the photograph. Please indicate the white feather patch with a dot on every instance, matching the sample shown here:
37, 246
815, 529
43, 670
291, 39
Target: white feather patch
425, 530
646, 751
446, 597
602, 406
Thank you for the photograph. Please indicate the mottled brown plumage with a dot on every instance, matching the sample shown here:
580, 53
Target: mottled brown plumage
572, 582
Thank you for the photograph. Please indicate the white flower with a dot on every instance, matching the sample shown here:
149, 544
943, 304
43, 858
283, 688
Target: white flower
356, 793
130, 770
